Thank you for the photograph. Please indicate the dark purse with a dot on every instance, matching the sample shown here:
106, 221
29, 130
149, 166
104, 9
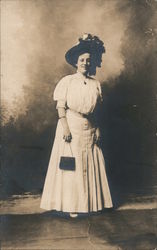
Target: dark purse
67, 162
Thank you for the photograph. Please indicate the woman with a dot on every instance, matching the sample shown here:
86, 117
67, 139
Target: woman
84, 189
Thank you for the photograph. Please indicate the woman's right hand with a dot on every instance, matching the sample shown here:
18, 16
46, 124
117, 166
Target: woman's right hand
67, 135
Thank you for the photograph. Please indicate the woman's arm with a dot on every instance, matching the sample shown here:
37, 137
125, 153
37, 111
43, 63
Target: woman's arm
97, 136
66, 131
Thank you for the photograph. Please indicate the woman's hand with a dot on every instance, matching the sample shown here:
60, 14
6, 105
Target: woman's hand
67, 134
97, 136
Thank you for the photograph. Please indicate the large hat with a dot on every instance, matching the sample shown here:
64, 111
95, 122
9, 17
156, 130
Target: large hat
87, 44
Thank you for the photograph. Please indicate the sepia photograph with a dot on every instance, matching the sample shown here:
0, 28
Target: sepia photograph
78, 125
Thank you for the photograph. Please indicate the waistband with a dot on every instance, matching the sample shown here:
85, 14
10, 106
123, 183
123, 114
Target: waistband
78, 113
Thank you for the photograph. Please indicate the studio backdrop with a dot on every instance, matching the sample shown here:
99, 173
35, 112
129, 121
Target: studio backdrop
35, 36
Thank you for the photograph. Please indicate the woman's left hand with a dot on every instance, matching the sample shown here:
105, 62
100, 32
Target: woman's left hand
97, 136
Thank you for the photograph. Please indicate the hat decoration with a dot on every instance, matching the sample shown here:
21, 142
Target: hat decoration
86, 44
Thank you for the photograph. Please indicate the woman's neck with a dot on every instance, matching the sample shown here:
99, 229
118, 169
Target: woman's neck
86, 74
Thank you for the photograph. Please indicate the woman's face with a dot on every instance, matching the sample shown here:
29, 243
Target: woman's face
83, 63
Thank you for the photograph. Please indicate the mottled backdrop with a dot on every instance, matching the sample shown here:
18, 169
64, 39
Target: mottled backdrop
35, 36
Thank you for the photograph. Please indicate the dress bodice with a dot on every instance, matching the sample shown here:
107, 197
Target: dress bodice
78, 92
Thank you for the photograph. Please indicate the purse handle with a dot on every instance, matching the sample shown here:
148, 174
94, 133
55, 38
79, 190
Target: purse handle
69, 146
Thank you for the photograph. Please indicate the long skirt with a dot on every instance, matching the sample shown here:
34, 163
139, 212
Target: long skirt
86, 189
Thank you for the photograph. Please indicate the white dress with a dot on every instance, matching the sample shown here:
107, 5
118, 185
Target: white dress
85, 189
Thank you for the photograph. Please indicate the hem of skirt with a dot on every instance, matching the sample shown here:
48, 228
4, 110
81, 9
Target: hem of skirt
75, 210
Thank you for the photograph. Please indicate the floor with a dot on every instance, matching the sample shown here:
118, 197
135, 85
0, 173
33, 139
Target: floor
25, 226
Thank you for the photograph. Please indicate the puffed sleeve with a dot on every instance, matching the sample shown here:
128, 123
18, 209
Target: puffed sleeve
60, 92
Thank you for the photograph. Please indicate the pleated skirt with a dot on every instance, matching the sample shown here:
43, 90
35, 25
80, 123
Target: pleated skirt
86, 189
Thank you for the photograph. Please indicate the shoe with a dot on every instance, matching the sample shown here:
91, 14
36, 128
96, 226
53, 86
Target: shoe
73, 215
